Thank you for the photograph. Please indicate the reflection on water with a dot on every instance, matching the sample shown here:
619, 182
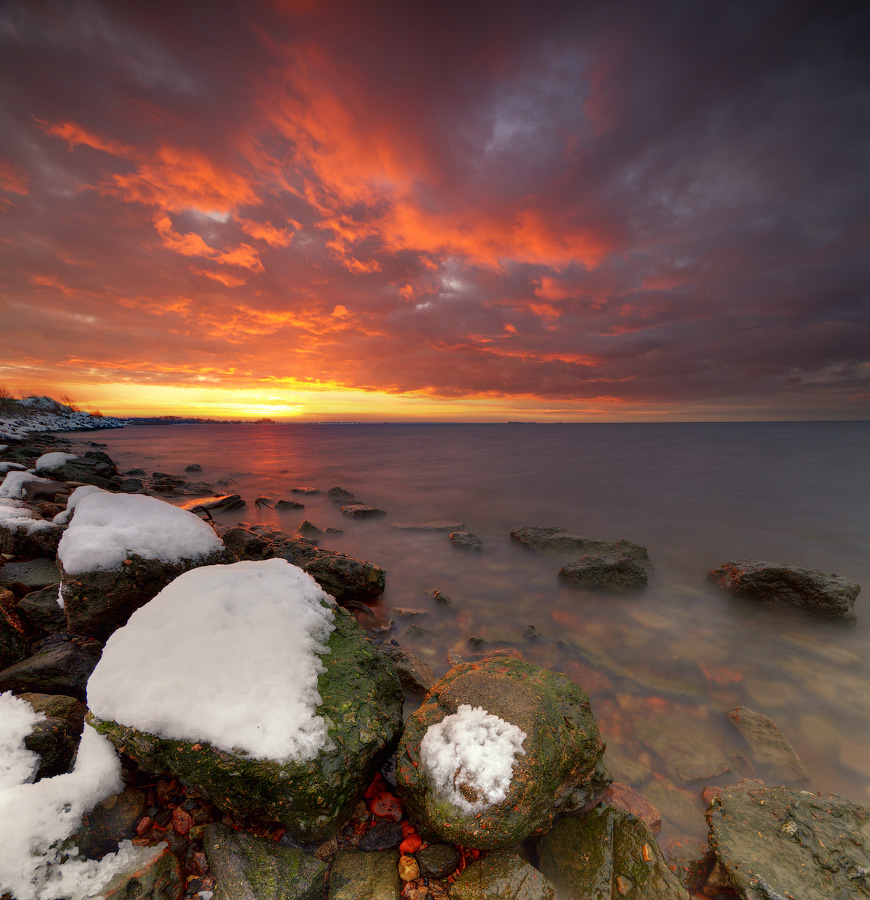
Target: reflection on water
670, 661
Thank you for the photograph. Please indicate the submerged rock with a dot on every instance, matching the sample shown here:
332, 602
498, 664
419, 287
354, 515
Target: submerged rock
602, 570
502, 875
362, 511
415, 675
465, 540
250, 868
607, 854
806, 590
780, 842
560, 540
559, 769
773, 757
340, 495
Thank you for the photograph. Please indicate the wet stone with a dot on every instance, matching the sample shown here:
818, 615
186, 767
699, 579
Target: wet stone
374, 876
59, 668
502, 875
684, 746
13, 647
250, 868
773, 757
41, 610
782, 842
35, 574
415, 675
382, 836
438, 860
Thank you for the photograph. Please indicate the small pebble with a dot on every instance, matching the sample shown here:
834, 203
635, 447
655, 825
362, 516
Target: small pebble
408, 868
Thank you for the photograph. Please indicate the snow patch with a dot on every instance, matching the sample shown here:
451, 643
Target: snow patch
107, 528
224, 654
469, 757
36, 817
13, 484
48, 462
11, 466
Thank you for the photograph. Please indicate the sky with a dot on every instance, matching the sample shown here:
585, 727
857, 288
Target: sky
468, 211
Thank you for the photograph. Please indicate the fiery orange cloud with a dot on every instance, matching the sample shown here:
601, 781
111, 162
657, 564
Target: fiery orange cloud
13, 180
266, 231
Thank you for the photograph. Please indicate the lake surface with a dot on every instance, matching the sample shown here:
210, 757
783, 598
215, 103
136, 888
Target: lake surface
670, 660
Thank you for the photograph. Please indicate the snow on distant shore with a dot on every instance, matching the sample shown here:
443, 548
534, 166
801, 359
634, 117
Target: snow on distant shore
20, 418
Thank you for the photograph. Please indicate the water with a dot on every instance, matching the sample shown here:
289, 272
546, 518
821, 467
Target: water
672, 659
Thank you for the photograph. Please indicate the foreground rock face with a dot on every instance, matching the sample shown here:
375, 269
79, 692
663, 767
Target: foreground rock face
361, 699
560, 540
560, 769
806, 590
607, 854
246, 867
779, 842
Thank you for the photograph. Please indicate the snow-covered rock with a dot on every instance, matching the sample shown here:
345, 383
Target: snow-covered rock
120, 550
34, 415
497, 749
14, 484
48, 462
24, 533
36, 817
267, 696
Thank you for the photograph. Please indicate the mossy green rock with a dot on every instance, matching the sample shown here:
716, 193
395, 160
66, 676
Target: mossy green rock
362, 704
502, 875
365, 876
561, 768
251, 868
780, 842
607, 854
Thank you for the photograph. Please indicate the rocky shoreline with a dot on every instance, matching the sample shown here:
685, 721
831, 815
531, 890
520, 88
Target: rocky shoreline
388, 816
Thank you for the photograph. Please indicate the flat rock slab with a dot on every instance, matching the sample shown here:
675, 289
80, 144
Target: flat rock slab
502, 875
251, 868
607, 854
365, 876
601, 570
551, 539
361, 511
772, 755
427, 526
35, 574
784, 843
805, 590
686, 746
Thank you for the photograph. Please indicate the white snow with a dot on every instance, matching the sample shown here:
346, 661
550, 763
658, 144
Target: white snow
227, 655
18, 765
48, 462
107, 528
13, 484
35, 817
73, 500
10, 466
39, 414
475, 749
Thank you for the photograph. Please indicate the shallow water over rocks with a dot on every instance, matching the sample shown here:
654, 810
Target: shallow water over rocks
674, 657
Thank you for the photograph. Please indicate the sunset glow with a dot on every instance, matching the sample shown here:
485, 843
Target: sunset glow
377, 212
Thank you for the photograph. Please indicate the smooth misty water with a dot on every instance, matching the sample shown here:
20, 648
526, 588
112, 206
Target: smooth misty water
678, 655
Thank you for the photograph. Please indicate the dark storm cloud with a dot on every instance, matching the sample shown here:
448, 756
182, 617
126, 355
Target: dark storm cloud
649, 203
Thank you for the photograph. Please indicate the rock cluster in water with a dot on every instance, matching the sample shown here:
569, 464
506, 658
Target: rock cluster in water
244, 827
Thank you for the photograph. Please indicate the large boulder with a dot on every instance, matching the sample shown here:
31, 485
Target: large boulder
497, 749
256, 689
608, 854
120, 550
781, 842
805, 590
551, 539
250, 868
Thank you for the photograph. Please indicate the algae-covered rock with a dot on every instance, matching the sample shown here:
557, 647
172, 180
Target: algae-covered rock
250, 868
559, 768
781, 842
808, 591
607, 854
502, 875
364, 876
358, 703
